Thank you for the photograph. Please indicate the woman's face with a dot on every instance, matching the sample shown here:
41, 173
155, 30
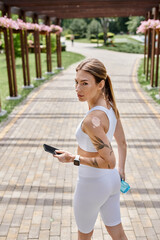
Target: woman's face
86, 86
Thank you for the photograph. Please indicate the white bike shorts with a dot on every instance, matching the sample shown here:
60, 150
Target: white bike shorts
94, 195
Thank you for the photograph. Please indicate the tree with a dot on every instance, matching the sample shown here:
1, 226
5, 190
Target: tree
79, 27
105, 24
121, 24
94, 28
118, 24
133, 23
113, 25
65, 23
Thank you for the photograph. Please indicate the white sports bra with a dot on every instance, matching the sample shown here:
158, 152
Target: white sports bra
84, 140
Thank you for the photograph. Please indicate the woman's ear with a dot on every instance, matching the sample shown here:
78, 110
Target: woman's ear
101, 84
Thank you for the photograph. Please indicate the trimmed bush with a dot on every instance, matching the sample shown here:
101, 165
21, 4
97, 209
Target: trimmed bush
93, 36
95, 41
68, 36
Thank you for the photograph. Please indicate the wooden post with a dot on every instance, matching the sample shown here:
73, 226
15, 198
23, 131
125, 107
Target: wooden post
145, 40
10, 57
153, 49
37, 50
25, 58
148, 48
153, 57
7, 52
58, 43
157, 60
158, 51
145, 51
48, 48
13, 65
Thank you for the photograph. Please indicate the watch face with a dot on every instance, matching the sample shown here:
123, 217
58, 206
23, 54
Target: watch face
76, 162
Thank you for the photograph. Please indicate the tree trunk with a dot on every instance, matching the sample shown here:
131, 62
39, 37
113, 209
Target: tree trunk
105, 24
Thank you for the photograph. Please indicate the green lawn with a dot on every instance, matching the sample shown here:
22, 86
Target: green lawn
121, 43
125, 47
82, 40
144, 83
125, 43
68, 58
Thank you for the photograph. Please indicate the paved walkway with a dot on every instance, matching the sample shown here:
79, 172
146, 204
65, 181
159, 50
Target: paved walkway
36, 191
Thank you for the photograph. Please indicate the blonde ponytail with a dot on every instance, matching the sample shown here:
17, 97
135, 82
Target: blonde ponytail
109, 95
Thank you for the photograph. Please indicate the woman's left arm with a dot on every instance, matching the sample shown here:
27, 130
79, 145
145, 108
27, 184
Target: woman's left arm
106, 158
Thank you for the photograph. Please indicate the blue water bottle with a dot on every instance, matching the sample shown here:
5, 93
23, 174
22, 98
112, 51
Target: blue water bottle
124, 186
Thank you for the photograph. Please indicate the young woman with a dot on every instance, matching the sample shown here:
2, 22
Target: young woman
98, 186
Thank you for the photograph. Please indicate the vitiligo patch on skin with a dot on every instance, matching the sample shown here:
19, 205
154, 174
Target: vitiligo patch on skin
96, 122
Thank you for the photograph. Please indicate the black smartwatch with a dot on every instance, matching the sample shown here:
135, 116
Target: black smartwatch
76, 160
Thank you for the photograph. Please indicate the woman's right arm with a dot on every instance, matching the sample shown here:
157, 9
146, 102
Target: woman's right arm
122, 148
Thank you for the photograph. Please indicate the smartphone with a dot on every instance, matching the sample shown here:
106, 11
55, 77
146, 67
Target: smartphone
50, 149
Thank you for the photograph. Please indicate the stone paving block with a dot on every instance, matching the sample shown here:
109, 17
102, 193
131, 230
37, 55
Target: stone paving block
127, 225
47, 211
138, 229
130, 235
152, 213
19, 210
37, 216
8, 216
124, 212
74, 236
45, 223
141, 238
55, 229
54, 238
65, 233
133, 215
156, 226
106, 237
28, 213
4, 228
34, 231
44, 234
97, 235
150, 233
16, 220
22, 236
12, 234
145, 220
25, 226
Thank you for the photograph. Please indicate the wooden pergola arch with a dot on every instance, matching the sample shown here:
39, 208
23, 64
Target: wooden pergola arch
62, 9
9, 50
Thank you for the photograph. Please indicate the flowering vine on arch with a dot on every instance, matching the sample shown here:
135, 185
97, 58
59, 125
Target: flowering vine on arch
149, 24
21, 25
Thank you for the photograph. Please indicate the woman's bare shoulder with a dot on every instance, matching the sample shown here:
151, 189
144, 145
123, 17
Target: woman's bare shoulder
95, 119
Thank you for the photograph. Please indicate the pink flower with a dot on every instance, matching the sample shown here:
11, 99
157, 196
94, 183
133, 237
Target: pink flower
153, 23
8, 23
22, 25
45, 28
19, 24
158, 26
150, 24
57, 29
